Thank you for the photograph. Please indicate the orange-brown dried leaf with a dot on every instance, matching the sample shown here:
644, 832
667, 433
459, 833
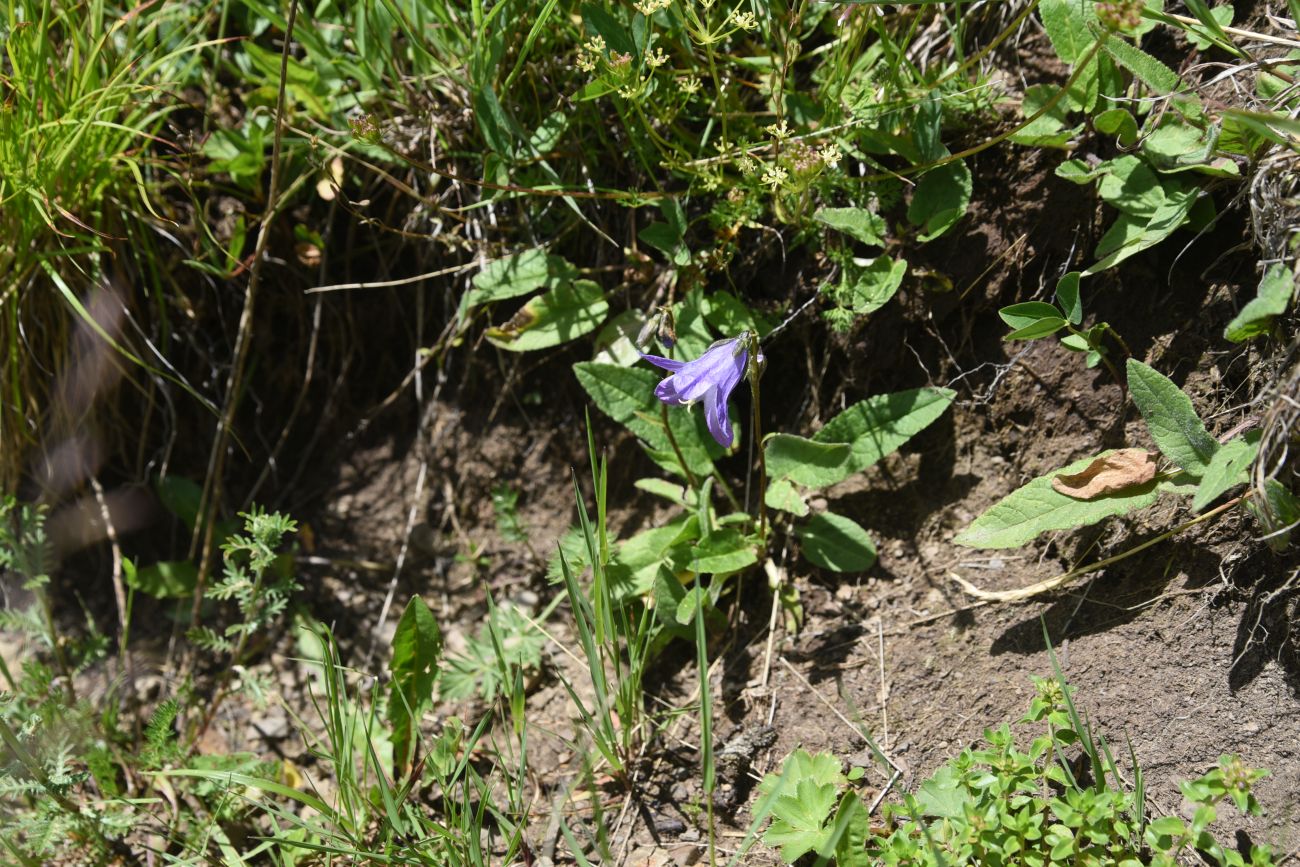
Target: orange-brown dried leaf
1108, 474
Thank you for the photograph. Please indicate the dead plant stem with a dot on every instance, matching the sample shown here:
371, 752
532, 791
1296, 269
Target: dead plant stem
210, 501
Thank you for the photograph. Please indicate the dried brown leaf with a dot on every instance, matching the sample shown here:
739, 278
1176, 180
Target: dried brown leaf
1108, 474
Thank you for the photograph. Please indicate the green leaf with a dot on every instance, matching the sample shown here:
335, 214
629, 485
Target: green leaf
837, 543
1229, 467
800, 819
601, 23
1036, 508
1256, 318
1129, 235
1173, 423
1067, 296
940, 199
943, 796
637, 561
1130, 186
1151, 72
1178, 146
1027, 313
729, 315
1041, 328
182, 497
809, 462
626, 394
725, 551
417, 650
803, 797
1066, 28
862, 224
1118, 122
562, 314
868, 289
1049, 129
879, 425
172, 579
493, 122
667, 240
785, 497
1278, 511
518, 274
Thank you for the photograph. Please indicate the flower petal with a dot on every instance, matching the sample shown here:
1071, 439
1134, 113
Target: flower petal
715, 415
715, 367
665, 363
667, 392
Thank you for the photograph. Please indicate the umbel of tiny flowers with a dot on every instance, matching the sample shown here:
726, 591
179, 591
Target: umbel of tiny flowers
711, 378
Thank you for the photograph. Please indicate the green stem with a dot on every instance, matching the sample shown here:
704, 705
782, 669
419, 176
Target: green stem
754, 374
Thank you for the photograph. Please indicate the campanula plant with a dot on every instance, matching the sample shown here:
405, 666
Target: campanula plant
711, 378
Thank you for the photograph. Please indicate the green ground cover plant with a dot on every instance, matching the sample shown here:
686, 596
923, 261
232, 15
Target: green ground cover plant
204, 207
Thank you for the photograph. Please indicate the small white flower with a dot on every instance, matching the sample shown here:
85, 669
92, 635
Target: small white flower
774, 177
690, 86
743, 20
830, 153
779, 131
656, 58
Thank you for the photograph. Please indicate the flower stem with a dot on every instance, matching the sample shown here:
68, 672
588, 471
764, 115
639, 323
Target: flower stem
677, 450
754, 374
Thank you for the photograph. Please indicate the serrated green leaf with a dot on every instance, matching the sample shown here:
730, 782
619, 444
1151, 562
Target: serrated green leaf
1067, 296
811, 463
799, 823
1272, 298
1066, 28
725, 551
879, 425
1229, 467
565, 313
1174, 425
1036, 508
626, 394
862, 224
837, 543
943, 796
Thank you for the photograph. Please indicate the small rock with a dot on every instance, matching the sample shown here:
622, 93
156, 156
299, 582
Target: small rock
669, 824
272, 726
685, 854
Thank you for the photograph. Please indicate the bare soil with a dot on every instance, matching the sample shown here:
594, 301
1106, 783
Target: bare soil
1186, 649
